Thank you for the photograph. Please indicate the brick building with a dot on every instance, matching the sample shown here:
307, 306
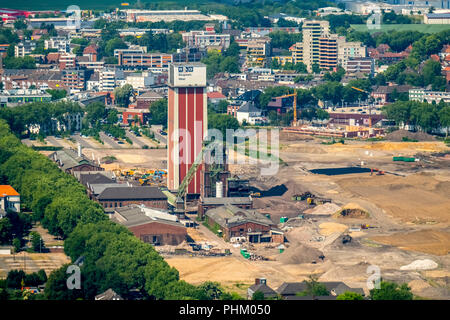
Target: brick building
118, 197
151, 226
237, 222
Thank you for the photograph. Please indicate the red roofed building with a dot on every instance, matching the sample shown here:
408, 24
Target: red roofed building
9, 199
215, 97
91, 52
435, 57
38, 33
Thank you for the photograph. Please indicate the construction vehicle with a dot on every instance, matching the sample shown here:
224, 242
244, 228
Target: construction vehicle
294, 105
255, 194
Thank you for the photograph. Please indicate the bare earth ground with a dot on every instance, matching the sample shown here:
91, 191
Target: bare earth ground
408, 213
408, 207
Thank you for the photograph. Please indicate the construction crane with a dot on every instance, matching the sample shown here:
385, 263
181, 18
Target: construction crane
370, 107
294, 105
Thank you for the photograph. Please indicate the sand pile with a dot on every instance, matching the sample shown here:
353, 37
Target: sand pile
297, 254
328, 228
399, 134
425, 264
324, 209
352, 210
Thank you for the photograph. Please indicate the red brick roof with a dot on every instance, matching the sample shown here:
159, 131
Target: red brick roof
92, 49
215, 95
6, 190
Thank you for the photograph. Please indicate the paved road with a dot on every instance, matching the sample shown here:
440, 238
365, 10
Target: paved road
53, 141
135, 139
159, 137
109, 141
82, 141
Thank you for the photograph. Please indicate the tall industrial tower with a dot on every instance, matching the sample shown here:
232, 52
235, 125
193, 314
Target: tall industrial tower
187, 122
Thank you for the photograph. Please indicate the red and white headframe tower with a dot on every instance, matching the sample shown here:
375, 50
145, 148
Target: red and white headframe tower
187, 122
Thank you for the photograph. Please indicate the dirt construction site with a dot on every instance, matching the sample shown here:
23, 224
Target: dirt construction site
378, 213
396, 215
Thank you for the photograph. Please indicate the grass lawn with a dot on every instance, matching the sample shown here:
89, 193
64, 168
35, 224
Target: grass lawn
425, 28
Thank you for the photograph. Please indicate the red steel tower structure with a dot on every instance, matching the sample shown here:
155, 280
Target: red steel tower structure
187, 122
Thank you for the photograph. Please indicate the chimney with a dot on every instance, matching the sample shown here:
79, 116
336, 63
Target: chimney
79, 150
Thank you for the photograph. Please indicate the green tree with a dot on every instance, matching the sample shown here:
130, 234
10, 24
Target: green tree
222, 122
349, 296
258, 295
57, 94
391, 291
314, 288
444, 118
113, 44
36, 242
17, 245
212, 290
158, 112
122, 95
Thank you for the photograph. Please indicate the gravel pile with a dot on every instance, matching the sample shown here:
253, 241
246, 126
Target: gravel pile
425, 264
399, 134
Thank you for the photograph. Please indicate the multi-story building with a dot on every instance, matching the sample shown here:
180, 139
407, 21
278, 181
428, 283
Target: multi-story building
132, 49
155, 62
74, 79
67, 61
206, 39
328, 51
109, 79
24, 48
351, 49
257, 52
364, 65
169, 15
62, 44
312, 32
140, 80
429, 96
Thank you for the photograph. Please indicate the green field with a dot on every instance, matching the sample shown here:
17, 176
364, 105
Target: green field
84, 4
425, 28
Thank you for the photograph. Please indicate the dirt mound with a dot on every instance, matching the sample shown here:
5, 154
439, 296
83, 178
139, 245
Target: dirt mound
398, 135
324, 209
352, 210
300, 254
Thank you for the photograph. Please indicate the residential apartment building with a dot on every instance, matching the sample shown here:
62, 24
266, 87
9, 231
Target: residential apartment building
321, 48
74, 79
429, 96
351, 49
257, 52
62, 44
312, 32
24, 48
132, 49
109, 79
328, 52
155, 62
140, 80
67, 61
206, 39
364, 65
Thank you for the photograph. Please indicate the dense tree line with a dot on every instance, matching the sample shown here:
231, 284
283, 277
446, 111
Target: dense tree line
427, 116
113, 256
228, 61
39, 114
283, 39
